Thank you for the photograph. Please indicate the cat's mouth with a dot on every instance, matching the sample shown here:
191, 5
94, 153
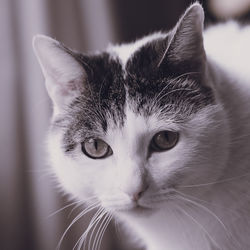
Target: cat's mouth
137, 210
150, 202
140, 208
133, 207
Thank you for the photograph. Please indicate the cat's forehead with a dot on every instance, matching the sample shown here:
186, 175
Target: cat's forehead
112, 88
138, 125
136, 81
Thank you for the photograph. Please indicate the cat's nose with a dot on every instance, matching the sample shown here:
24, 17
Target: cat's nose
136, 196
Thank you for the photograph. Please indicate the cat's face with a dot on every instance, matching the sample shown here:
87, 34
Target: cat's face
127, 134
134, 167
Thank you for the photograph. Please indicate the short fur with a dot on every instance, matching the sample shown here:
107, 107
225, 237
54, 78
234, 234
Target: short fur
194, 196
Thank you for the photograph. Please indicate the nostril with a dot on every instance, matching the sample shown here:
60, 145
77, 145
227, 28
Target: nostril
137, 195
140, 194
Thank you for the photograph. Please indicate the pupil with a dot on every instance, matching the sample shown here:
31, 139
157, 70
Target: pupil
96, 145
166, 136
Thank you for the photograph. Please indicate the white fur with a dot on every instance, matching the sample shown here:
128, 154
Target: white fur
213, 147
125, 51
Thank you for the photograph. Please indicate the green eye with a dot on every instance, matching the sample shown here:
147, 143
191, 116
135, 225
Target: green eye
164, 140
96, 149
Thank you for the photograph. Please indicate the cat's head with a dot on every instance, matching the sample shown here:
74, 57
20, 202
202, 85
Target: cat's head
136, 121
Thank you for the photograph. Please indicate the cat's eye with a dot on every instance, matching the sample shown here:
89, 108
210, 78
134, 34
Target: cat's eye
164, 140
96, 149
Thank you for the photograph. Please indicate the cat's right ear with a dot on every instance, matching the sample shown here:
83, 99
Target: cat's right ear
64, 75
184, 45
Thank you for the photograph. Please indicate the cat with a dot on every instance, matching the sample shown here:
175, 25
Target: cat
155, 133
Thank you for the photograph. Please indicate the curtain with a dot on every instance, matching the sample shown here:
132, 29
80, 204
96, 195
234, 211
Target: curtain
27, 193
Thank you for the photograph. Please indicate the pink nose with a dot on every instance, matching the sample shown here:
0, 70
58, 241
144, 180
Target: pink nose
137, 196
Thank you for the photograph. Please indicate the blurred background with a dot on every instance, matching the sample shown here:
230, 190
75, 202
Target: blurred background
28, 196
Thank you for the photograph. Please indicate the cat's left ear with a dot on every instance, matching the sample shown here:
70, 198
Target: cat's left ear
185, 42
64, 75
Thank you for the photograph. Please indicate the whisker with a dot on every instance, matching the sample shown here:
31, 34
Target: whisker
99, 100
75, 207
229, 234
172, 81
95, 220
103, 231
102, 213
172, 91
159, 94
215, 182
200, 226
91, 207
186, 74
81, 203
236, 139
210, 203
117, 229
84, 235
99, 229
61, 209
210, 212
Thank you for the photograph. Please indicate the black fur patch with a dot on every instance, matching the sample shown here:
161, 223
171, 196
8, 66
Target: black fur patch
169, 83
103, 99
168, 89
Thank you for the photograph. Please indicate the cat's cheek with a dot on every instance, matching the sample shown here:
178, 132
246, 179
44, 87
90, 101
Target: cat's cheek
71, 173
206, 146
195, 158
94, 177
163, 166
74, 179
